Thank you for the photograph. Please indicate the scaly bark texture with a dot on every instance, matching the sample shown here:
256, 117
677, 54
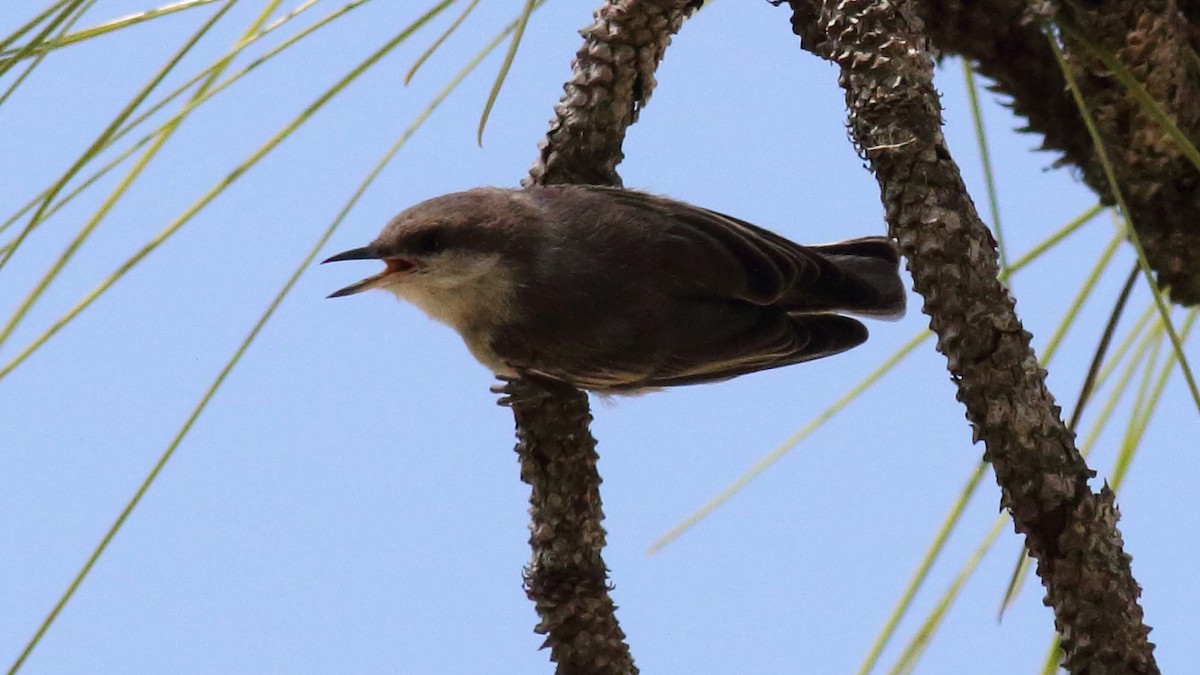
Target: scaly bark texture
1010, 49
612, 78
895, 119
1156, 40
1151, 39
567, 579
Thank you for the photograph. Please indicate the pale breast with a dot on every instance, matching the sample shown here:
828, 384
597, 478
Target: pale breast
475, 306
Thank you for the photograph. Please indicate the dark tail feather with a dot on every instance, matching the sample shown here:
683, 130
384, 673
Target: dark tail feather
871, 284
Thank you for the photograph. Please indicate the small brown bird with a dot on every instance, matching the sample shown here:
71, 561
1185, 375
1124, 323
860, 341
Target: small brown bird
616, 291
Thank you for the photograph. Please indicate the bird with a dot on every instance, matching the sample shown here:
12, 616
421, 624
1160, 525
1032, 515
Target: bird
619, 291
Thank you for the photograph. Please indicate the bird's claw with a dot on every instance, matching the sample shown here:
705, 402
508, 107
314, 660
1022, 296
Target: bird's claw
513, 390
527, 387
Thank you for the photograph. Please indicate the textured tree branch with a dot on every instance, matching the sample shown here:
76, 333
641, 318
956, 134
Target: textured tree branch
894, 115
1156, 41
1016, 56
566, 578
1151, 39
612, 78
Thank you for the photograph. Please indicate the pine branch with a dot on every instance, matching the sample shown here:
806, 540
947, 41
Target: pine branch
895, 119
612, 78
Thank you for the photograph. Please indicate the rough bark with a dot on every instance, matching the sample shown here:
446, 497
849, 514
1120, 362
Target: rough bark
566, 578
1162, 187
894, 118
1156, 40
612, 78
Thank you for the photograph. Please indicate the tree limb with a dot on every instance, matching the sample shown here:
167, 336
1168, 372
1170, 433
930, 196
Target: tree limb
1156, 41
612, 78
895, 119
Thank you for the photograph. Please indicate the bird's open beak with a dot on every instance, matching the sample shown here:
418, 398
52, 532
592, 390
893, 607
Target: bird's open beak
363, 253
394, 266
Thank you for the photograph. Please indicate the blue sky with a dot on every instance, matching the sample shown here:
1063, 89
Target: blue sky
350, 501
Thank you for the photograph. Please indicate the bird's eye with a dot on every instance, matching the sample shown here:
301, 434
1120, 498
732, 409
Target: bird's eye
427, 243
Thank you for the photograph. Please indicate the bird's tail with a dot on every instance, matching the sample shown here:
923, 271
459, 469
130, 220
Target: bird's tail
870, 283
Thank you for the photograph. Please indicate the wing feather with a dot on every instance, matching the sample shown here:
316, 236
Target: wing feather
725, 256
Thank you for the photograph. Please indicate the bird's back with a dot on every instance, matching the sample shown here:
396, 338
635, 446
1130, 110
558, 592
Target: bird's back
649, 292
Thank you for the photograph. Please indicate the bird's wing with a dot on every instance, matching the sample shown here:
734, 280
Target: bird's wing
786, 340
797, 338
725, 257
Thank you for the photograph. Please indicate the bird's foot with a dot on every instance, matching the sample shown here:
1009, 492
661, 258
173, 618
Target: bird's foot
528, 387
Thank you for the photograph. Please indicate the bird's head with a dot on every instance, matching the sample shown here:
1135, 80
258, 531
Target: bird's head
441, 244
456, 257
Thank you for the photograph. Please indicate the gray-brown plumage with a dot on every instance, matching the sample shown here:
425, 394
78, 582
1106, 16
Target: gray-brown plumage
614, 290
